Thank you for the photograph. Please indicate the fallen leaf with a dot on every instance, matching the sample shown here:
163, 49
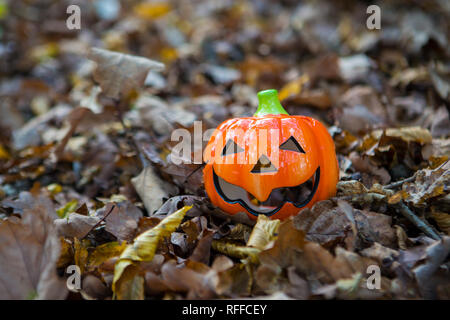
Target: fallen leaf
150, 188
443, 221
123, 220
427, 273
145, 245
203, 249
292, 88
118, 73
94, 289
428, 185
75, 225
152, 10
264, 231
29, 254
236, 251
81, 253
408, 134
104, 252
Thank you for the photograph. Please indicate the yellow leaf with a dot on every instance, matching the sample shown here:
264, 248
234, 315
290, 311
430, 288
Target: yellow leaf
168, 54
44, 52
263, 232
104, 252
66, 254
397, 197
130, 286
3, 9
236, 251
54, 188
69, 207
145, 245
3, 153
81, 254
293, 88
152, 10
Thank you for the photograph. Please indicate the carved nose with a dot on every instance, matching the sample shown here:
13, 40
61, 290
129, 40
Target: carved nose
264, 165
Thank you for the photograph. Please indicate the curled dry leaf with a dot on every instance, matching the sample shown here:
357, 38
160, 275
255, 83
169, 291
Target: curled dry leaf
264, 231
118, 73
429, 184
235, 250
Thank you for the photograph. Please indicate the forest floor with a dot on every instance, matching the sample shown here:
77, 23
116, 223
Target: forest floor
85, 145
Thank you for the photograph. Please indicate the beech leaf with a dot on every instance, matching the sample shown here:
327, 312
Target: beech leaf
118, 73
145, 245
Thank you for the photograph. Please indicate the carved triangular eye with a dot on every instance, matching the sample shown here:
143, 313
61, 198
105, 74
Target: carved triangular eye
292, 145
230, 148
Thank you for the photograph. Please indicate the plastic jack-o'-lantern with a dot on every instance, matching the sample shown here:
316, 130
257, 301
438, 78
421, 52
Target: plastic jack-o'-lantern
272, 163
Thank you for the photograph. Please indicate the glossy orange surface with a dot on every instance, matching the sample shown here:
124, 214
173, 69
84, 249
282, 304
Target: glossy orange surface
260, 138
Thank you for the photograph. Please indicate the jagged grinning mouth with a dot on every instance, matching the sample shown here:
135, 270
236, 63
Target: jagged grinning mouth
235, 194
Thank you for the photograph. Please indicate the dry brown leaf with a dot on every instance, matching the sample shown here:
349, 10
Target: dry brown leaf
203, 249
185, 279
427, 274
123, 220
150, 188
118, 73
29, 253
75, 225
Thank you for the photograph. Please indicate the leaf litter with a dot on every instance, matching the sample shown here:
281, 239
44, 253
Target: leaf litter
86, 175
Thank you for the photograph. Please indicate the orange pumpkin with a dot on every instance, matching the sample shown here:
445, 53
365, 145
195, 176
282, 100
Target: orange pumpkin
272, 163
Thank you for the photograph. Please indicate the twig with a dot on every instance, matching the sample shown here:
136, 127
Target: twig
399, 183
419, 223
101, 220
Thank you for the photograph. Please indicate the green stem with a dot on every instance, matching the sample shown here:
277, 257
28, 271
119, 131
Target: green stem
269, 103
